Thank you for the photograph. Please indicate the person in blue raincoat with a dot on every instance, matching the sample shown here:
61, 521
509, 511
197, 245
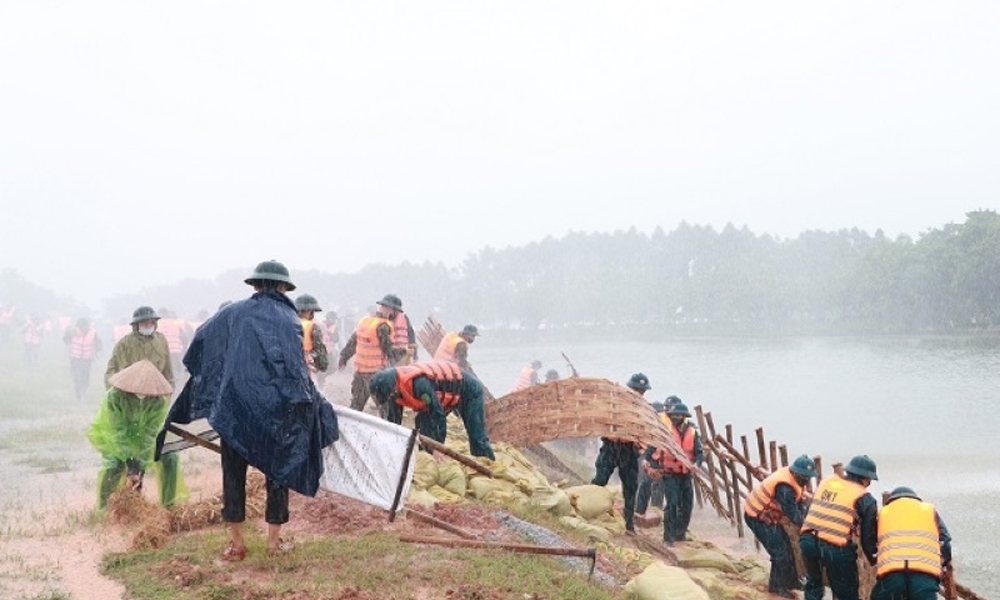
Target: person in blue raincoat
249, 378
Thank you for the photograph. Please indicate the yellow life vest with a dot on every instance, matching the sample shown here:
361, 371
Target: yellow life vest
908, 538
761, 502
832, 514
446, 349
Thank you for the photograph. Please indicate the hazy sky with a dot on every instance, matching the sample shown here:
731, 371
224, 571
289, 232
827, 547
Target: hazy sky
144, 142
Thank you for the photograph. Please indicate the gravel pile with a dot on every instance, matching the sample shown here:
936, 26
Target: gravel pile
540, 536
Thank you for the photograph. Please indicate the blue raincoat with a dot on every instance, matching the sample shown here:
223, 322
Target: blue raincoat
250, 380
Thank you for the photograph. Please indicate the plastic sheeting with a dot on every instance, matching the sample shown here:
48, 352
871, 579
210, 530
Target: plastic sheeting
367, 461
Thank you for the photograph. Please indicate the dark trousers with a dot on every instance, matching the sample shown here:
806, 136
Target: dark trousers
678, 492
774, 539
625, 457
469, 408
650, 491
840, 564
113, 476
360, 392
234, 491
903, 585
80, 369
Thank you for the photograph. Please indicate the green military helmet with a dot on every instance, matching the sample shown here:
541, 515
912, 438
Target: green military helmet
470, 331
272, 270
144, 313
902, 492
659, 406
639, 382
551, 375
391, 301
803, 466
862, 466
536, 364
307, 302
382, 384
679, 409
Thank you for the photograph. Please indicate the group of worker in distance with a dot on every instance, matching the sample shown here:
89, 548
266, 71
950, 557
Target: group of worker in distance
251, 367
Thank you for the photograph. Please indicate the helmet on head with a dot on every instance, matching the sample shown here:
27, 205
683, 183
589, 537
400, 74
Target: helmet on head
272, 270
469, 331
902, 492
804, 466
144, 313
679, 409
658, 406
638, 382
381, 383
391, 301
536, 364
307, 302
862, 466
552, 375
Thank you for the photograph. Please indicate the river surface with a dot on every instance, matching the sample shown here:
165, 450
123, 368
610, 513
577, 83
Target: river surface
926, 410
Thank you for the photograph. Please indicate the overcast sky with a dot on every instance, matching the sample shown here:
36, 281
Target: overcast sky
144, 142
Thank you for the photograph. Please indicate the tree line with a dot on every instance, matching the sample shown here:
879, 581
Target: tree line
692, 280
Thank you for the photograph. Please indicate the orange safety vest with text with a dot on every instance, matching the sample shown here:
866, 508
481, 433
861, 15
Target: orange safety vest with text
446, 349
669, 464
908, 538
761, 502
447, 378
832, 514
368, 357
81, 345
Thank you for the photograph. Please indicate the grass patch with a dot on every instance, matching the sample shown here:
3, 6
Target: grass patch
378, 564
46, 464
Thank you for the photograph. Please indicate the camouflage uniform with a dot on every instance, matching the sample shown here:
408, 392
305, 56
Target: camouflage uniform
320, 356
135, 347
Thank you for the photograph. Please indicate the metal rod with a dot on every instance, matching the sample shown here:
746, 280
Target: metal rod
403, 474
465, 460
186, 435
441, 524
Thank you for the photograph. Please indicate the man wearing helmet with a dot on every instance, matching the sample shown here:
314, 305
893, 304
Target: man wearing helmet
372, 347
454, 346
144, 343
528, 376
313, 346
250, 379
780, 495
914, 548
841, 514
678, 482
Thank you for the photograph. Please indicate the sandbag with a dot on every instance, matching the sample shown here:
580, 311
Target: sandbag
452, 478
593, 532
444, 495
660, 582
482, 487
425, 474
590, 501
704, 558
720, 587
552, 500
420, 497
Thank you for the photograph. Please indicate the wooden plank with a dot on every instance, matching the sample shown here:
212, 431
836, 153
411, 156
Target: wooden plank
722, 470
709, 452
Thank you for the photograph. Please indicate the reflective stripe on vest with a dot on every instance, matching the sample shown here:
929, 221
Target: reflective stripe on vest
446, 349
832, 514
908, 538
761, 502
446, 376
669, 464
368, 357
81, 345
400, 331
524, 380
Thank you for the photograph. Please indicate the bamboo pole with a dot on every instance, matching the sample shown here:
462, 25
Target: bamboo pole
783, 452
709, 452
188, 436
761, 453
746, 454
441, 524
465, 460
722, 470
773, 448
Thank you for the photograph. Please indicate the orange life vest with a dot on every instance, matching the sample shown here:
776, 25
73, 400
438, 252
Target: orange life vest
524, 379
908, 538
669, 464
761, 502
832, 514
446, 349
32, 334
307, 338
368, 357
447, 378
400, 331
81, 345
171, 329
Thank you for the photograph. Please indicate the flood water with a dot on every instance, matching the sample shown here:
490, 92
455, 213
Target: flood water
925, 409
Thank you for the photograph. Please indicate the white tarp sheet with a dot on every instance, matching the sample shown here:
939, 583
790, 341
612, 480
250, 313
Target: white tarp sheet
367, 461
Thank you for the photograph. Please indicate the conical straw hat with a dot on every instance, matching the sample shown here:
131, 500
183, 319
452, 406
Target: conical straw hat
141, 378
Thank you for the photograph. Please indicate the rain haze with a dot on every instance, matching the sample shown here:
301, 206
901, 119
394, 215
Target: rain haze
145, 143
